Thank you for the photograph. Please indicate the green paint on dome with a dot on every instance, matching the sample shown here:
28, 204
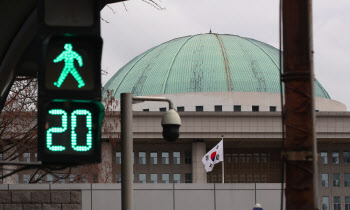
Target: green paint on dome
203, 63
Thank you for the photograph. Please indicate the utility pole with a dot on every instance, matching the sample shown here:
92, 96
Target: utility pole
298, 76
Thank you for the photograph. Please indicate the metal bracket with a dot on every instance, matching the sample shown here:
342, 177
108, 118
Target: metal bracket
38, 163
297, 155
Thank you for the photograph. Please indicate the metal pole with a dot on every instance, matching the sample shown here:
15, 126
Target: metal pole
126, 150
300, 145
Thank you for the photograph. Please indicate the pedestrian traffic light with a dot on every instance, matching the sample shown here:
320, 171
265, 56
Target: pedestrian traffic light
72, 65
69, 109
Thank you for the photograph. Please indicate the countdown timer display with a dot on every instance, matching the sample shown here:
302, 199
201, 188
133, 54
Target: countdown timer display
70, 130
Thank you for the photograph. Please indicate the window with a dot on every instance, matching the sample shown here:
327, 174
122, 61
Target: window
255, 108
26, 157
154, 178
325, 203
61, 178
162, 109
142, 178
26, 178
324, 158
346, 180
37, 177
165, 178
180, 108
176, 156
347, 203
336, 203
324, 180
84, 178
153, 157
346, 156
118, 158
218, 108
49, 178
335, 157
142, 158
118, 178
177, 178
272, 108
199, 108
188, 157
336, 180
145, 110
165, 157
188, 178
72, 178
237, 108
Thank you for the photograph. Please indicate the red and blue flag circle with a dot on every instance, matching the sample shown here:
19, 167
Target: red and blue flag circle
212, 156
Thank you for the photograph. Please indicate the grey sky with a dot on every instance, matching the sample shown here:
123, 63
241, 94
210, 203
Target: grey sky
131, 32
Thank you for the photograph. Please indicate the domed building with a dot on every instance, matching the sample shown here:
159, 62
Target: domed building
223, 85
208, 70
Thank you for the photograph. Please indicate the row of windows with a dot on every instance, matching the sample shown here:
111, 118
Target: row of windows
154, 178
217, 108
335, 158
49, 178
336, 203
142, 158
335, 180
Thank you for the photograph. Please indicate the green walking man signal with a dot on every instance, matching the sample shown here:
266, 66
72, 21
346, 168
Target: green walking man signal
68, 56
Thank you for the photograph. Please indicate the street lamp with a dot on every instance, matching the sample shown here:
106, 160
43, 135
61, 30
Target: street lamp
171, 123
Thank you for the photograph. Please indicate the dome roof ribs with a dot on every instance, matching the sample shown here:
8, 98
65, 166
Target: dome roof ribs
133, 67
172, 63
227, 68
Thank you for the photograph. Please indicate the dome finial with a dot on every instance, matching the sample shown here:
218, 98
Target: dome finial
210, 30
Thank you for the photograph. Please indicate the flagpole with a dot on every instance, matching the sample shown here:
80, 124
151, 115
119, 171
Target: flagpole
223, 160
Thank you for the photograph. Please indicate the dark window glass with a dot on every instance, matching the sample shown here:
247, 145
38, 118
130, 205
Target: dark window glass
199, 108
255, 108
335, 157
165, 178
188, 178
237, 108
26, 178
146, 110
153, 157
325, 203
336, 180
317, 110
165, 157
188, 157
118, 158
324, 158
272, 108
180, 108
347, 202
346, 156
154, 178
142, 178
163, 109
177, 178
176, 156
324, 180
336, 203
346, 180
142, 158
119, 178
218, 108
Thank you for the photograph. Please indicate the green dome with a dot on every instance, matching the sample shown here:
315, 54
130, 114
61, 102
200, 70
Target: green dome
203, 63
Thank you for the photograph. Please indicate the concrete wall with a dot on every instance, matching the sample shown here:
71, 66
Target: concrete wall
148, 196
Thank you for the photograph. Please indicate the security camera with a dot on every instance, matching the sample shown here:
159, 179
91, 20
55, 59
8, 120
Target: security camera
171, 123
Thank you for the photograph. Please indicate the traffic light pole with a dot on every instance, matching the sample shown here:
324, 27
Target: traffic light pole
127, 144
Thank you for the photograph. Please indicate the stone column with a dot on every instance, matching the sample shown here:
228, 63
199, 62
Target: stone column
106, 165
199, 175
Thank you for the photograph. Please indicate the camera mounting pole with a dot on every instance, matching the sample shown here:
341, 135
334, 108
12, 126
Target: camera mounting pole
126, 101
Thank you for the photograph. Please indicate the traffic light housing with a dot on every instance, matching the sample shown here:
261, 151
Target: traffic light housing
70, 112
